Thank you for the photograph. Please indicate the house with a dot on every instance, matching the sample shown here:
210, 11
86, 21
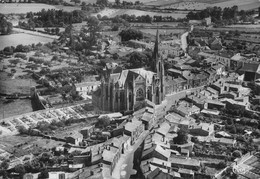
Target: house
74, 138
110, 156
134, 129
224, 141
237, 61
235, 105
163, 129
178, 120
187, 110
86, 88
186, 163
186, 173
202, 129
148, 120
214, 104
87, 131
251, 71
156, 151
158, 169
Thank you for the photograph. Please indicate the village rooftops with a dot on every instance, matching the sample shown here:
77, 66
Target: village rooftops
215, 102
109, 154
164, 128
143, 110
223, 140
147, 117
84, 84
131, 126
111, 115
185, 161
185, 171
251, 67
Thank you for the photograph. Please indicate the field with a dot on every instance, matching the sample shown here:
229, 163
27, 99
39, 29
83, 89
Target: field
25, 39
202, 4
27, 144
23, 8
115, 12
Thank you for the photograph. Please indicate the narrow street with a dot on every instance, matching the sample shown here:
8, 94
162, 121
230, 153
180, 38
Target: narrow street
124, 166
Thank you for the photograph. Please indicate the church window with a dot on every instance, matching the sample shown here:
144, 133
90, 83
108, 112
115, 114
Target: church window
140, 94
130, 97
116, 96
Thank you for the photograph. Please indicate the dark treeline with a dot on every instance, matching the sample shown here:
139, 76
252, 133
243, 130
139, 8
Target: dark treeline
217, 13
54, 18
145, 18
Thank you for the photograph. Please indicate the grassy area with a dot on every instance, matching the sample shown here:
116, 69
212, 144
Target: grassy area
22, 145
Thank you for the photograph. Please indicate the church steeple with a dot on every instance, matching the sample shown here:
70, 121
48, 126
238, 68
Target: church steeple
156, 46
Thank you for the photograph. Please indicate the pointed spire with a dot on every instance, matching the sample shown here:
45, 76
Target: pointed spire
156, 45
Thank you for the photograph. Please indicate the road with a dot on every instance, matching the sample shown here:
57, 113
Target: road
124, 166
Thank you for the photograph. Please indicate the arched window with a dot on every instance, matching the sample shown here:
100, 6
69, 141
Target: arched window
116, 96
149, 94
140, 93
130, 96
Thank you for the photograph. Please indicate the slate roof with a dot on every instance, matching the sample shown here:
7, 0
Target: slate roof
250, 67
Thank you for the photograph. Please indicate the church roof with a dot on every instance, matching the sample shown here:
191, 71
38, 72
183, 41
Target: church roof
125, 75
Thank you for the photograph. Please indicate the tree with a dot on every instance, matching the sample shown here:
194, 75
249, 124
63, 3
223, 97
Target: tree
182, 136
130, 34
5, 26
19, 169
14, 61
44, 174
8, 51
103, 122
221, 165
102, 2
117, 2
90, 34
237, 154
139, 60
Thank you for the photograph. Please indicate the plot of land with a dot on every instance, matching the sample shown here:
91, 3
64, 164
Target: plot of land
202, 4
22, 8
115, 12
23, 145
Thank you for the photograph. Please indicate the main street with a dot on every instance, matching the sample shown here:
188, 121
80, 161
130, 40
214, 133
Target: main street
124, 166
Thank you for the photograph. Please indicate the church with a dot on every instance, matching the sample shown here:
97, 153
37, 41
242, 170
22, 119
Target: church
124, 90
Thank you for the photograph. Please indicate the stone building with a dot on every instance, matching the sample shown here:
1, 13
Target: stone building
124, 90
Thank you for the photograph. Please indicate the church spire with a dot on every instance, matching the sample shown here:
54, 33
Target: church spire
156, 46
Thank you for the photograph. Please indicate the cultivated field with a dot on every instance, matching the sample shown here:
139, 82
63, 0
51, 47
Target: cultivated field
115, 12
202, 4
23, 8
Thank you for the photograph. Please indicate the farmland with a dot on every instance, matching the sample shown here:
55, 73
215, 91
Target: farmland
202, 4
23, 8
118, 12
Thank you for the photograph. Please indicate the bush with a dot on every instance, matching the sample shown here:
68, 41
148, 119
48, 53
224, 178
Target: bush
221, 165
20, 55
103, 122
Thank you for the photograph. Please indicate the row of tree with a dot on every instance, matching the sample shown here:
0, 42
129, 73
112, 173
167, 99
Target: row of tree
54, 18
218, 14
